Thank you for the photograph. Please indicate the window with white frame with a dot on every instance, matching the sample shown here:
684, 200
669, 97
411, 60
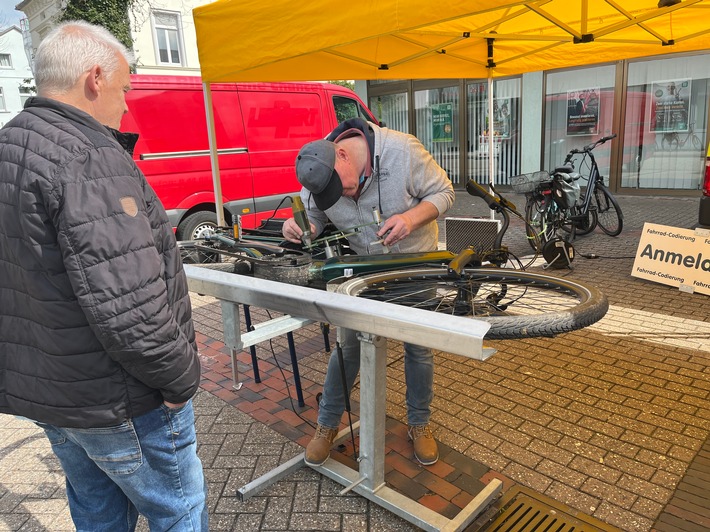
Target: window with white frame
5, 61
2, 100
25, 94
168, 37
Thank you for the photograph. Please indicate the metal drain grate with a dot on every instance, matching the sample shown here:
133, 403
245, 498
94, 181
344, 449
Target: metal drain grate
523, 510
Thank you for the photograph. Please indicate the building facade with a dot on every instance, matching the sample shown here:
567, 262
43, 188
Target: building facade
14, 71
163, 33
656, 106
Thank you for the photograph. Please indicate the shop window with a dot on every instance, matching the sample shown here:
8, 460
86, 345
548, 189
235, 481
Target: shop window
437, 123
666, 123
506, 126
579, 108
392, 109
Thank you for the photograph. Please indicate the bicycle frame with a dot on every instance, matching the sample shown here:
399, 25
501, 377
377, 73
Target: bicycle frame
265, 256
594, 177
354, 265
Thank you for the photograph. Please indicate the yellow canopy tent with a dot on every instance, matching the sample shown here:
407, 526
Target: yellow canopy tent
278, 40
253, 40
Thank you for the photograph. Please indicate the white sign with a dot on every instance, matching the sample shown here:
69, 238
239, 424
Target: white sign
674, 256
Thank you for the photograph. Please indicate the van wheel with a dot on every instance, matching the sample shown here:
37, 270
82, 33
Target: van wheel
195, 227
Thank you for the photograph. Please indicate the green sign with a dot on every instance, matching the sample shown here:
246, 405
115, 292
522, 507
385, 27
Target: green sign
442, 122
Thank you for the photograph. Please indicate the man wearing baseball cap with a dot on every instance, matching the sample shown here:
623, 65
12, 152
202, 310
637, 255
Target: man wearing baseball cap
360, 168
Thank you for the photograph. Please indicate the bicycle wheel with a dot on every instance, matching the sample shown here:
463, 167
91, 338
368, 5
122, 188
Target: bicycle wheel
583, 223
544, 220
696, 142
517, 304
609, 217
534, 221
670, 141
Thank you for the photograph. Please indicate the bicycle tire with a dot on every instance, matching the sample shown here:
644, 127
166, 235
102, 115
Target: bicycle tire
534, 208
583, 225
544, 220
670, 141
609, 216
517, 304
696, 142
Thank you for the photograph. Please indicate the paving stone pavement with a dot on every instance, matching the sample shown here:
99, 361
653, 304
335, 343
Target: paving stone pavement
606, 420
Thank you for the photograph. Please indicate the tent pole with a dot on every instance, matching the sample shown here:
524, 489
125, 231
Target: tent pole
491, 138
214, 160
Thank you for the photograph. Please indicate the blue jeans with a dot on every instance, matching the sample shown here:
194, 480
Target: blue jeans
146, 465
418, 376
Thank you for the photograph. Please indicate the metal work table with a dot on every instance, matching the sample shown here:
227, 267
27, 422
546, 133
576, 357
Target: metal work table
377, 321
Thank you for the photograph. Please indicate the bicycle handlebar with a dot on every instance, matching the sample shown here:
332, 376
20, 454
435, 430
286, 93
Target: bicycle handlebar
588, 147
497, 203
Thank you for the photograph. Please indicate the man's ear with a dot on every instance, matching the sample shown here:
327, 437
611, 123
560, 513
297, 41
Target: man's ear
95, 79
341, 153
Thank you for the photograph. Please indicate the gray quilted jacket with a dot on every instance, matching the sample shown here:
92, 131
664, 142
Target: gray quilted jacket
95, 317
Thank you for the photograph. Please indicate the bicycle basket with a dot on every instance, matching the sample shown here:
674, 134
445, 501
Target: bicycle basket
526, 183
566, 193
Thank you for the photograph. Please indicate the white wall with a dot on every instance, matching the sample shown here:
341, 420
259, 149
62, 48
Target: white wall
41, 15
11, 78
144, 44
531, 121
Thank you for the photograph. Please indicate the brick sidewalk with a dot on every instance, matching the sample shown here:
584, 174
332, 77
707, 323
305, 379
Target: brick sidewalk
606, 420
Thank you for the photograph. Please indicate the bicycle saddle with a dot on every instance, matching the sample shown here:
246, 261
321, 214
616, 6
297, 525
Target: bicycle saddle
567, 169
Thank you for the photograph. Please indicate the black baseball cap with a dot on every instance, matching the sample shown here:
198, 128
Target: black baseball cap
315, 170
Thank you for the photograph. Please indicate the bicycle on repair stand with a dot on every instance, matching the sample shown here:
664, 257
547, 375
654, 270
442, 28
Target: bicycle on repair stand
475, 283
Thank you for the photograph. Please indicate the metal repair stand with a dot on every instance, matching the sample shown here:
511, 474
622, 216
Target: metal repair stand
381, 321
236, 341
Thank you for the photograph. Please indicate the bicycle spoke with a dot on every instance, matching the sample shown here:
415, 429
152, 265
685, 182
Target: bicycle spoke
516, 303
609, 216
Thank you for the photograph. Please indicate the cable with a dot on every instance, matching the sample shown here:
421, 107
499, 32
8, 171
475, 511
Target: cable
346, 394
595, 256
267, 220
283, 376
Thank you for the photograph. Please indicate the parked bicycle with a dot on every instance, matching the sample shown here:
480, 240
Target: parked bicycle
517, 303
548, 217
555, 210
672, 140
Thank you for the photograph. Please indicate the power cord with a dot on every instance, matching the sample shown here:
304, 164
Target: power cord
356, 384
283, 376
595, 256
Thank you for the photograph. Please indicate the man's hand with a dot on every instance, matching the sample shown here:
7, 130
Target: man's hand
396, 228
292, 232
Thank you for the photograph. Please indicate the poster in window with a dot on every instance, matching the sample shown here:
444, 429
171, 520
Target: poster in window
583, 111
670, 103
501, 118
442, 122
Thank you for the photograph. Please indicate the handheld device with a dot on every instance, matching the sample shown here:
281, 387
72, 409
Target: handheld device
301, 218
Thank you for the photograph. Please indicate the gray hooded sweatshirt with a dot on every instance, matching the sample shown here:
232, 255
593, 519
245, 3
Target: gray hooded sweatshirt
407, 175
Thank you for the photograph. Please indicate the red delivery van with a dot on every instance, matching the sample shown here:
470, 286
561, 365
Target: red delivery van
259, 129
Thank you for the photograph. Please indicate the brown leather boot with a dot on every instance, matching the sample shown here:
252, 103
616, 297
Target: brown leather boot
426, 451
318, 449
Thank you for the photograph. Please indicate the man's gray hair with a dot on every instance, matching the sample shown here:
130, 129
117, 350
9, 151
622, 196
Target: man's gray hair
71, 49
